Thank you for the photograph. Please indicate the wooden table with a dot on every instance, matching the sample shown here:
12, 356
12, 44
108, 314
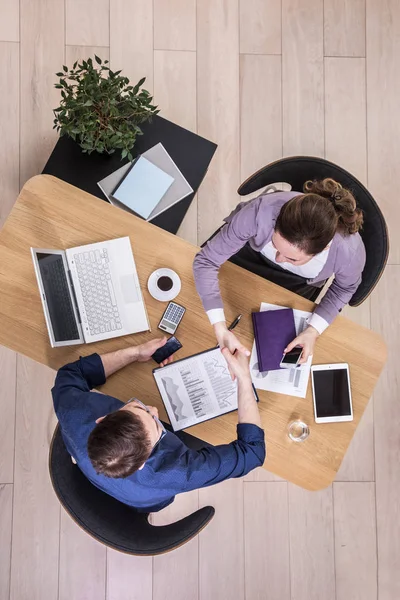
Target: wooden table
52, 214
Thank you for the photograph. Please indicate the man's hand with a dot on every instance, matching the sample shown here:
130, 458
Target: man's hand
238, 364
145, 351
227, 339
306, 340
114, 361
247, 405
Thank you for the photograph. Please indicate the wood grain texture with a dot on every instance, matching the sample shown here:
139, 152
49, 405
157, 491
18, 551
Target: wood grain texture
131, 39
221, 543
261, 474
42, 26
267, 570
383, 76
8, 374
175, 25
302, 77
260, 112
35, 534
355, 541
87, 22
6, 504
218, 109
175, 71
177, 571
345, 115
9, 21
385, 319
344, 27
312, 567
42, 55
260, 26
22, 327
9, 127
188, 228
82, 567
359, 314
358, 463
79, 53
128, 577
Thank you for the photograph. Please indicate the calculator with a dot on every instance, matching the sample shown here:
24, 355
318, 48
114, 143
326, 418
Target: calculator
172, 317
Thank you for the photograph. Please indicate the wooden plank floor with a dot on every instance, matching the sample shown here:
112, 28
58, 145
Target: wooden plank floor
262, 78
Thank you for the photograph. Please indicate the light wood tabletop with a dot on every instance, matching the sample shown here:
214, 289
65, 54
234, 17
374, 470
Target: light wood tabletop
52, 214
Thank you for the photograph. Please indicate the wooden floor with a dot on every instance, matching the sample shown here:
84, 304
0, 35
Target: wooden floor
263, 79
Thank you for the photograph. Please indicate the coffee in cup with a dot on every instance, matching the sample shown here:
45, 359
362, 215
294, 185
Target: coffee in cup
164, 283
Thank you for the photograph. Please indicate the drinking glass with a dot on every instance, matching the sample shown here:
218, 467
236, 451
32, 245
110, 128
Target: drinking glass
298, 431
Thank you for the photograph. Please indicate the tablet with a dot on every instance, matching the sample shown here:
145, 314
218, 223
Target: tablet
331, 393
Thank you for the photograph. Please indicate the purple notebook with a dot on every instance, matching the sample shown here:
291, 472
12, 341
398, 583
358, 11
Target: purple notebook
273, 331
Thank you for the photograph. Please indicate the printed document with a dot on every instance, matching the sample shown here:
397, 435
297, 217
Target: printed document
292, 382
196, 389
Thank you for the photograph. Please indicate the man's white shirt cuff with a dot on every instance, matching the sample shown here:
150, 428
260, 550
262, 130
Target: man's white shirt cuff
216, 315
318, 323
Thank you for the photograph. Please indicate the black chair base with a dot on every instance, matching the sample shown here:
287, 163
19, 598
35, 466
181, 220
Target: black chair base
111, 522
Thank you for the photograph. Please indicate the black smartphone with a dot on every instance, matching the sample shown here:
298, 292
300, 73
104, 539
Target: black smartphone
172, 345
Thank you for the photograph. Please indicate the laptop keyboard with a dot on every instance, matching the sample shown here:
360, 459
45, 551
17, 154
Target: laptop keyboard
58, 297
98, 291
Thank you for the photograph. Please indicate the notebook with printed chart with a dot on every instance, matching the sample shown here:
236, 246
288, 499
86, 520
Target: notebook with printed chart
142, 187
157, 155
196, 389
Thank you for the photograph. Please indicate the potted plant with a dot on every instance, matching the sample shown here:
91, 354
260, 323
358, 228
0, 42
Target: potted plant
100, 109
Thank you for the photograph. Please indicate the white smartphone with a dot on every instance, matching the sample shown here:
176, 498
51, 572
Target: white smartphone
291, 359
331, 393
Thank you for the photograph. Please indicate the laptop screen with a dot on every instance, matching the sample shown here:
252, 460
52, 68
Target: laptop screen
58, 299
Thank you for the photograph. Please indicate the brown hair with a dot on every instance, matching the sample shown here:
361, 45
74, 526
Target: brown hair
310, 221
119, 444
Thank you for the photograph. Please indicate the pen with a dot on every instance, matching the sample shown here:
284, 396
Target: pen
234, 323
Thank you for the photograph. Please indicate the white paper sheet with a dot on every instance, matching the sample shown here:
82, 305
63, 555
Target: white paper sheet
292, 382
196, 389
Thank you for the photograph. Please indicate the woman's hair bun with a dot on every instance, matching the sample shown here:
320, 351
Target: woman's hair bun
349, 215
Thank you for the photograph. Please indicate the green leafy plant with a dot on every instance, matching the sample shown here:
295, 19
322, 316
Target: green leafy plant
100, 109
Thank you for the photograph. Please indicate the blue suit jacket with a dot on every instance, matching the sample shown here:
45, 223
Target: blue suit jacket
172, 467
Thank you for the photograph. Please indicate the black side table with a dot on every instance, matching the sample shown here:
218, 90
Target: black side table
191, 153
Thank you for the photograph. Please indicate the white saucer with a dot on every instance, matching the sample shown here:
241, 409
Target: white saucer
155, 290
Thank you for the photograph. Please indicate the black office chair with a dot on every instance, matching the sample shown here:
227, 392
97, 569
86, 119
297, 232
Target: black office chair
111, 522
296, 170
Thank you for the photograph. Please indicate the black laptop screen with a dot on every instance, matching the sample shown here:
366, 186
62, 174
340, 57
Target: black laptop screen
58, 299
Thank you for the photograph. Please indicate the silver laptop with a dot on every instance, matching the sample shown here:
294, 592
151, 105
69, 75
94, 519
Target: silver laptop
90, 293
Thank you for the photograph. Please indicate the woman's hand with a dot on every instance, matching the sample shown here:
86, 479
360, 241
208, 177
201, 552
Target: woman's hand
227, 339
306, 340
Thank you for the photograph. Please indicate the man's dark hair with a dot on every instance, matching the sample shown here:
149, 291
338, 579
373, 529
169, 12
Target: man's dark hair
119, 444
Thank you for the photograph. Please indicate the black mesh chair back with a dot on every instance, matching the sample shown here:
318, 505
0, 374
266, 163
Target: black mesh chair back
109, 521
296, 170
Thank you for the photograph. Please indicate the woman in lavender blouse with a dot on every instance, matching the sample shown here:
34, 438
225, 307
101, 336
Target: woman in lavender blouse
297, 240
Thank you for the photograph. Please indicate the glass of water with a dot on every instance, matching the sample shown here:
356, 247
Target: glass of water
298, 431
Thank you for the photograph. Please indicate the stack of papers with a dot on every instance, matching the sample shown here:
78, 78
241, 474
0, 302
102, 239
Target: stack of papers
148, 186
292, 382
